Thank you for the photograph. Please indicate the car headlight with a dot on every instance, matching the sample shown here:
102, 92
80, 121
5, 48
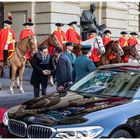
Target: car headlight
79, 132
5, 118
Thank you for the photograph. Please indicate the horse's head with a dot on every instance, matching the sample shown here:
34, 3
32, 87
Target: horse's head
118, 48
28, 43
32, 44
99, 44
132, 51
113, 46
52, 40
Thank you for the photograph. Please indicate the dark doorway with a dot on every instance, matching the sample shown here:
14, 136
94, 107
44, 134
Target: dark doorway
1, 14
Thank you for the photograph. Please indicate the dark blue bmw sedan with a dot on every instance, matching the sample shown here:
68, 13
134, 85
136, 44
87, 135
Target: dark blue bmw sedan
104, 104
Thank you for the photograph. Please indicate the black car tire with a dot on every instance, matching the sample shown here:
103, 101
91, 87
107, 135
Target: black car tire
121, 134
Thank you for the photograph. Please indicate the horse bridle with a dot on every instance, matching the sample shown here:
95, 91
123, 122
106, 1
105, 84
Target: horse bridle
28, 47
96, 40
18, 47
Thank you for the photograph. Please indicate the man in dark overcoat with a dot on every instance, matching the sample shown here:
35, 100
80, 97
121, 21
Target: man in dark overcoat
42, 66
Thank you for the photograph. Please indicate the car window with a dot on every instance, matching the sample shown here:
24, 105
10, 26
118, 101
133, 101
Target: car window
105, 83
132, 88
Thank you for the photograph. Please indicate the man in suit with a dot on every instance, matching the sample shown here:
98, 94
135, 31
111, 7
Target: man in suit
63, 70
42, 66
83, 64
69, 52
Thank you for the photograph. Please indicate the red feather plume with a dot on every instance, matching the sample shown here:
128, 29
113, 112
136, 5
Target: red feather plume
29, 19
10, 17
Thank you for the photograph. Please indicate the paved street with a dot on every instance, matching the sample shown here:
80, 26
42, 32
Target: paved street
8, 100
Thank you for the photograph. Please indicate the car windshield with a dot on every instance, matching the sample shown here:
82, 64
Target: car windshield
108, 83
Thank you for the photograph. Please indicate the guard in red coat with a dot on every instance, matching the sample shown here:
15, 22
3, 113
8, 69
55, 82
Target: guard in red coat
7, 39
60, 35
123, 41
92, 34
132, 41
95, 56
27, 31
106, 38
71, 33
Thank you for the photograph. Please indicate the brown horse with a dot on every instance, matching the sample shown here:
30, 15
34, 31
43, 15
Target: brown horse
111, 48
18, 60
50, 40
131, 51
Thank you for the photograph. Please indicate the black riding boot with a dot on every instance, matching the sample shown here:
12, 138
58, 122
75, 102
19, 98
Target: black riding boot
5, 56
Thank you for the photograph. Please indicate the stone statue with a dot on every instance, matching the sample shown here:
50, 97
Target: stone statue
88, 22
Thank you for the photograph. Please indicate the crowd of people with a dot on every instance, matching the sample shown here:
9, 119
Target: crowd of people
63, 65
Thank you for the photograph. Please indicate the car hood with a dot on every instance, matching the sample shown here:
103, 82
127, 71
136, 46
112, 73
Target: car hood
55, 110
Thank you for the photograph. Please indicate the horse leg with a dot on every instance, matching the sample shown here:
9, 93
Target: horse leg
13, 77
50, 78
17, 75
1, 72
21, 71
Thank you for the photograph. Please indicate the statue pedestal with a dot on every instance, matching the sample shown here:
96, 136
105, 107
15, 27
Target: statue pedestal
84, 36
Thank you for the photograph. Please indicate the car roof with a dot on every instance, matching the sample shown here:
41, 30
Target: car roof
126, 66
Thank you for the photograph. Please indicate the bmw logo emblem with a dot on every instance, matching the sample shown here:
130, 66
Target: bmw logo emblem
31, 118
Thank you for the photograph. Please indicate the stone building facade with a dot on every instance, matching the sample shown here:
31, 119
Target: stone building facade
117, 16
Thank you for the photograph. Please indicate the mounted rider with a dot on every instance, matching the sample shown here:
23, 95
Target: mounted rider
71, 33
123, 41
132, 41
60, 35
27, 31
7, 39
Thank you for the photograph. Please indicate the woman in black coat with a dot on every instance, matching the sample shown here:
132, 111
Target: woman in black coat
42, 66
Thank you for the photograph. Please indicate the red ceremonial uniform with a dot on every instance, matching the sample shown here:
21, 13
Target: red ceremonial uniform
25, 33
72, 36
106, 40
132, 41
95, 57
123, 42
61, 37
3, 39
91, 36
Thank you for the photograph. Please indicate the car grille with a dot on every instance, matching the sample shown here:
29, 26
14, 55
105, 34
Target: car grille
17, 128
40, 131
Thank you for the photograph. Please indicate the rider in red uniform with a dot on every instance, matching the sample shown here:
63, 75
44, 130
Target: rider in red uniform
71, 33
95, 56
123, 41
106, 38
60, 35
7, 39
132, 41
27, 31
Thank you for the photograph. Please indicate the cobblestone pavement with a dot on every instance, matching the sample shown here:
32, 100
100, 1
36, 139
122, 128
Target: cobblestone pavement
8, 100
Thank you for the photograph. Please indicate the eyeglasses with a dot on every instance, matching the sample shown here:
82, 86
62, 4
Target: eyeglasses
45, 52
